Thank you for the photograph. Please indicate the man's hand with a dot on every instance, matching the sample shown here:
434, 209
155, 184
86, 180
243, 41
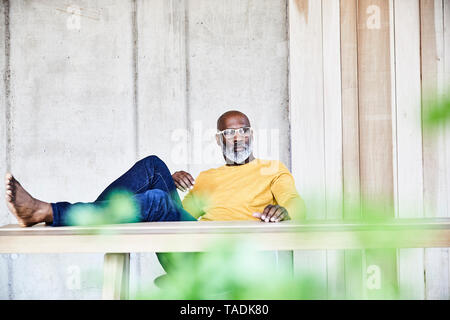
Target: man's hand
273, 213
183, 180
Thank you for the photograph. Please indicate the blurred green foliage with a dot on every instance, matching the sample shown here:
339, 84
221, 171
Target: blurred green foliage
232, 271
237, 271
119, 207
436, 109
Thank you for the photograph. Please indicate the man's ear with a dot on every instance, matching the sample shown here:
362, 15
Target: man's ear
218, 137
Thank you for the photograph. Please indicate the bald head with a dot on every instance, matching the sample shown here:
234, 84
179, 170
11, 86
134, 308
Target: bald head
238, 149
232, 119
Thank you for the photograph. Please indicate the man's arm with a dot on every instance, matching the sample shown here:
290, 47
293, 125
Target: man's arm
286, 195
192, 205
296, 208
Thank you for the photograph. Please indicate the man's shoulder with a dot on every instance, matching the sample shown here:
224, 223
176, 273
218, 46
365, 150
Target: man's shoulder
271, 166
268, 166
209, 172
268, 162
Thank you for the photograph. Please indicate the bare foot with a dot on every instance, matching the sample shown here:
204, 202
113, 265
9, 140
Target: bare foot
27, 209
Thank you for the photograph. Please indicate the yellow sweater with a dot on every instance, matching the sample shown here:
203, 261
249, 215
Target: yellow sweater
236, 192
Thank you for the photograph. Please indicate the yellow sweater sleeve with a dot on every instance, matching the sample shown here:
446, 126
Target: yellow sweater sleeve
286, 195
191, 205
191, 202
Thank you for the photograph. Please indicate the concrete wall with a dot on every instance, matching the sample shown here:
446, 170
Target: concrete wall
4, 217
72, 126
97, 85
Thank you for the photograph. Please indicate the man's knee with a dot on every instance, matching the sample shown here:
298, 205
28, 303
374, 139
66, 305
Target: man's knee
160, 197
153, 158
153, 161
157, 194
163, 209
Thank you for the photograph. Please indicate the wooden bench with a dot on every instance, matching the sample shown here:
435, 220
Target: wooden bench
118, 241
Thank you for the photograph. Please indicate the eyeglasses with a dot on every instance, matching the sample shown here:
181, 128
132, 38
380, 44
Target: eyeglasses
230, 133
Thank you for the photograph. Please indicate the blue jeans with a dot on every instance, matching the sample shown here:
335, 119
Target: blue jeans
151, 183
154, 192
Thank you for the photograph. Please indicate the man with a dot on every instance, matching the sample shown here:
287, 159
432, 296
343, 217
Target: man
244, 188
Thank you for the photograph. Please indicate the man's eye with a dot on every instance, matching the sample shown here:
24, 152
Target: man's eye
228, 132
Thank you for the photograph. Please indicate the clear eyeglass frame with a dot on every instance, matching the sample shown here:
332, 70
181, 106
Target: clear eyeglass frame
231, 132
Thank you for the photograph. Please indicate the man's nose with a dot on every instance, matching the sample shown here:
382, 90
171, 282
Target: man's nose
238, 138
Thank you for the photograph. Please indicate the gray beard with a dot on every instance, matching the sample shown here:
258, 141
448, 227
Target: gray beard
237, 157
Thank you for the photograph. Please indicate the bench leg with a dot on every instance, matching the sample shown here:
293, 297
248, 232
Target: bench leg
116, 275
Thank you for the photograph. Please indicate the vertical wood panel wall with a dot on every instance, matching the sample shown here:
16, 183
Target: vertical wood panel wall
307, 122
391, 54
350, 141
408, 138
375, 131
436, 183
